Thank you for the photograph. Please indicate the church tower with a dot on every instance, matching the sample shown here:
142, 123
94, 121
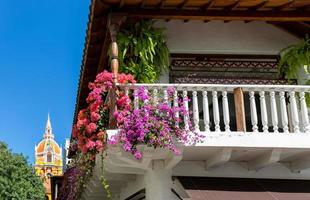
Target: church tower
48, 157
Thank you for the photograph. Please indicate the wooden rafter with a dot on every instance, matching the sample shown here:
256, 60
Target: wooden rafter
233, 5
259, 6
183, 4
217, 15
122, 3
285, 5
160, 4
207, 5
142, 3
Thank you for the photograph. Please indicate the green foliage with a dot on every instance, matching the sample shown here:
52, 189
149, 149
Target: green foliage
17, 179
143, 51
293, 58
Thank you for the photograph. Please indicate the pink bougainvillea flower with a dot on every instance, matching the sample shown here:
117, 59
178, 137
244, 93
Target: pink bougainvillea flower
91, 128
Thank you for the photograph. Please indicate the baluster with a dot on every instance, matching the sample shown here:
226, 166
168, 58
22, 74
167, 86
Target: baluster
226, 111
206, 117
155, 97
145, 101
216, 113
195, 111
253, 111
304, 112
283, 112
176, 105
127, 94
274, 112
136, 99
186, 116
294, 110
263, 109
166, 96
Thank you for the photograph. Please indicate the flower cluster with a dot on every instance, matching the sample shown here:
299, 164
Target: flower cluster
89, 131
153, 121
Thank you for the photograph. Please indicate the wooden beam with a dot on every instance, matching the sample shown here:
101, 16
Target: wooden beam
266, 159
239, 109
142, 3
285, 5
182, 5
219, 158
160, 4
121, 3
259, 6
207, 5
217, 15
233, 5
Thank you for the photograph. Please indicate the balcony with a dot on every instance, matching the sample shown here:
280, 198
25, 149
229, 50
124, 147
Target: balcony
255, 125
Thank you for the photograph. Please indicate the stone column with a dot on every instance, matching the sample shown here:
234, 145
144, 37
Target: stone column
158, 182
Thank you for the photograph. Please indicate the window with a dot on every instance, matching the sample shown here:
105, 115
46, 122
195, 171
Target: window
49, 157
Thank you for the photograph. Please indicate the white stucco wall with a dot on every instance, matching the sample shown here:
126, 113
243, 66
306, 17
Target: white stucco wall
235, 37
217, 37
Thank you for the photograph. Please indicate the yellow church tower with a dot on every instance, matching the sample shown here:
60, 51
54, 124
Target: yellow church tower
48, 157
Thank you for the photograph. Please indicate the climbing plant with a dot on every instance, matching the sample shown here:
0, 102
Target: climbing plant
293, 58
143, 51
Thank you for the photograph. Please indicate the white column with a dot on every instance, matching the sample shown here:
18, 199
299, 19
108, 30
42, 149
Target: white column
216, 113
304, 113
195, 111
263, 113
158, 182
274, 112
226, 111
283, 112
294, 110
253, 111
206, 116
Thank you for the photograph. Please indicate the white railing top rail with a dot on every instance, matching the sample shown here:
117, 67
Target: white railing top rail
220, 87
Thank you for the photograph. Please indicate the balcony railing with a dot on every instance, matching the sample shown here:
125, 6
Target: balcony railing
237, 108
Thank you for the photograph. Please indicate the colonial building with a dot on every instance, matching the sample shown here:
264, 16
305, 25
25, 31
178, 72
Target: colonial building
48, 157
223, 56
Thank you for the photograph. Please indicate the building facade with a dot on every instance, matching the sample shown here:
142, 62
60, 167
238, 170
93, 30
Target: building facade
223, 57
48, 158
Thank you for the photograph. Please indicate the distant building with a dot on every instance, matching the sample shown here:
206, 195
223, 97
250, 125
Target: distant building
48, 158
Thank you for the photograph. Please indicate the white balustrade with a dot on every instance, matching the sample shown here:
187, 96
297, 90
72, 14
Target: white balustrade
155, 96
253, 112
226, 111
186, 116
263, 109
195, 93
216, 112
136, 99
195, 111
176, 105
166, 96
304, 112
206, 117
284, 112
274, 112
294, 112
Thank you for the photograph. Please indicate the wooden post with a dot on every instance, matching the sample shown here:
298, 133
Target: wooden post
114, 23
239, 108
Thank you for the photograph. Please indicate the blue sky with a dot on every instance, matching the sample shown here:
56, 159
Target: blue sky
41, 44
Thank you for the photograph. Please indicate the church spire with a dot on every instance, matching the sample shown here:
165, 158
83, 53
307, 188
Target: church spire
48, 128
